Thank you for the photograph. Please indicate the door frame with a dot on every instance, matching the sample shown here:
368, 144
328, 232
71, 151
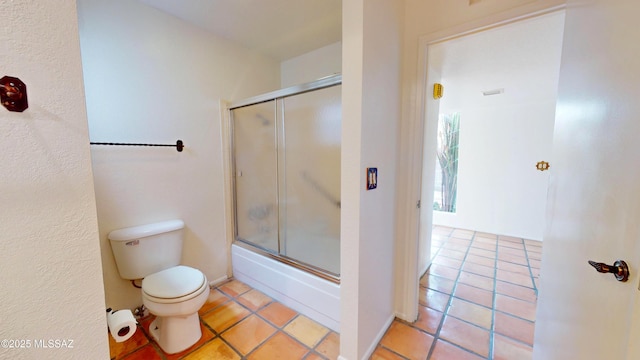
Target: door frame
409, 232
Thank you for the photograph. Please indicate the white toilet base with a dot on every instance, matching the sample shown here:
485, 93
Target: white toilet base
176, 333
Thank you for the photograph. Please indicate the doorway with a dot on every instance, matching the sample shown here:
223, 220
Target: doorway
500, 84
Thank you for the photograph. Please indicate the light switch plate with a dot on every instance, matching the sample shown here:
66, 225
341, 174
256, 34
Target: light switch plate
372, 178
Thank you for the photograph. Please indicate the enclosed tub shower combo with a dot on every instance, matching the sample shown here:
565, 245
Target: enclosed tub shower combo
286, 174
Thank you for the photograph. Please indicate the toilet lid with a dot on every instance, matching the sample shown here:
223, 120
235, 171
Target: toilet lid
173, 283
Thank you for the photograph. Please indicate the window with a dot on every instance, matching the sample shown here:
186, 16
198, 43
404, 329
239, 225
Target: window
446, 182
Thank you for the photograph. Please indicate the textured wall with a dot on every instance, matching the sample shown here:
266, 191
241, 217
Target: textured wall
51, 276
151, 77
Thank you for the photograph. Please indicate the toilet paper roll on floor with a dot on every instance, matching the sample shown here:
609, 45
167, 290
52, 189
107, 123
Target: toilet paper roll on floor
122, 324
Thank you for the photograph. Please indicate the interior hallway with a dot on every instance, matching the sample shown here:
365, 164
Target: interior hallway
477, 301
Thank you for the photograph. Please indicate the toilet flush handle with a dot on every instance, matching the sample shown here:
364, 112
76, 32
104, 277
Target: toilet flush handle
619, 269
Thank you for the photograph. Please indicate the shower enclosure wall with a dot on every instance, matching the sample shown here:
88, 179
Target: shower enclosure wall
286, 154
286, 186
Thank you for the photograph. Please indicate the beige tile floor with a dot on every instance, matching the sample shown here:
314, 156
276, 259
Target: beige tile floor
239, 322
477, 301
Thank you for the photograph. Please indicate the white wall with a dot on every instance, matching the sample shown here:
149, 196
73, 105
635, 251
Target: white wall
313, 65
502, 136
372, 39
151, 77
51, 274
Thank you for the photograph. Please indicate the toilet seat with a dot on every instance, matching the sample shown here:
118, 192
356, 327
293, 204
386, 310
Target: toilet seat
177, 284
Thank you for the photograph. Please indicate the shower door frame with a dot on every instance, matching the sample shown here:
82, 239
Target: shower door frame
276, 96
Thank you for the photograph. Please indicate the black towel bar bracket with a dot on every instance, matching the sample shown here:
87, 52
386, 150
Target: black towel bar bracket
179, 145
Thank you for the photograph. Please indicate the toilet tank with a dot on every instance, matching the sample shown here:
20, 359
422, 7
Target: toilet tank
146, 249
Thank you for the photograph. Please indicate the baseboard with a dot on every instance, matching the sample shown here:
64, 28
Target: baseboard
378, 337
218, 281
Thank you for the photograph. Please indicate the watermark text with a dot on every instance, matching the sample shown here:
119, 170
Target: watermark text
37, 344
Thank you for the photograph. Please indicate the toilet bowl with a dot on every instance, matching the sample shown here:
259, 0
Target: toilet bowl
174, 296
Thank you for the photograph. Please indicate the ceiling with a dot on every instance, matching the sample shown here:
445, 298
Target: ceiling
281, 29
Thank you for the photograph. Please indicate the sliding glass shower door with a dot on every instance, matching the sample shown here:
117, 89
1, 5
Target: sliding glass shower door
287, 173
310, 178
256, 175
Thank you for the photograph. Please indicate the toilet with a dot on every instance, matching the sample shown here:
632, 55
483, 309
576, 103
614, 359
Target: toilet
172, 292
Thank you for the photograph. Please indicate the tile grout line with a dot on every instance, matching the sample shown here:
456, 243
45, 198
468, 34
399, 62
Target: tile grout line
506, 281
219, 334
215, 335
495, 292
514, 315
535, 286
264, 341
252, 312
492, 332
393, 351
436, 336
229, 299
494, 301
433, 256
314, 349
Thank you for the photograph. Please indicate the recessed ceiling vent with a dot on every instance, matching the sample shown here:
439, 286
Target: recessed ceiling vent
493, 92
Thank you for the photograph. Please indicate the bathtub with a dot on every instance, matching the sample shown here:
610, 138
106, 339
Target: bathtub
312, 296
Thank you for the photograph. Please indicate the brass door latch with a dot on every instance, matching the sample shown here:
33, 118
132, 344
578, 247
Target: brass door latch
542, 165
